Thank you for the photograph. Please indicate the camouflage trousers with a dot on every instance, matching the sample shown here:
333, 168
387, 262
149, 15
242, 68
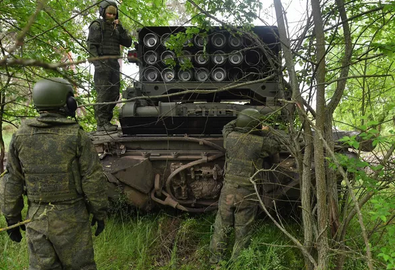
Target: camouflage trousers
59, 237
107, 85
237, 208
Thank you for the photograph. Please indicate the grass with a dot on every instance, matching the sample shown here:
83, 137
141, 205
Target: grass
125, 243
12, 255
159, 240
167, 242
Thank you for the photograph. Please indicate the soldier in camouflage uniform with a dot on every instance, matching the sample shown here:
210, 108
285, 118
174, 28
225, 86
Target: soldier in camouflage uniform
246, 146
104, 39
53, 162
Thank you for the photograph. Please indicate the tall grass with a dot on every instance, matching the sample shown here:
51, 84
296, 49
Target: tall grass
125, 244
13, 256
162, 241
167, 242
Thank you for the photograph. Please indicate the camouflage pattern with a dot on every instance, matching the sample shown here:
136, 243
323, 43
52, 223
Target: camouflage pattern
48, 179
59, 234
239, 168
237, 207
107, 85
104, 39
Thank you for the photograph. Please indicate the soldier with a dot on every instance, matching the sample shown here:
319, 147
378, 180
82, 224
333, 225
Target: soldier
53, 161
104, 39
246, 144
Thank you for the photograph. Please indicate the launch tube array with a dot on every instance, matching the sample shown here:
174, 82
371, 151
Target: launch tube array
216, 57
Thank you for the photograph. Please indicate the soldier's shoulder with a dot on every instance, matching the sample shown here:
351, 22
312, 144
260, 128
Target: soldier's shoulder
96, 24
235, 133
27, 124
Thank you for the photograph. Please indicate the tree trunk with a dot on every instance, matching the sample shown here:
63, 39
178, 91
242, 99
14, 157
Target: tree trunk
319, 158
304, 166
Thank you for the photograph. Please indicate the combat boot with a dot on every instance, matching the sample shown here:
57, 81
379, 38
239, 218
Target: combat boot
107, 127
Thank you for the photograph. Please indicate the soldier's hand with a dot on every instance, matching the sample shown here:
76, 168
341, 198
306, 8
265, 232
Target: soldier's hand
15, 233
100, 225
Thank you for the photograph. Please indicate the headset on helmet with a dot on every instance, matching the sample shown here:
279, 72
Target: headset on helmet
104, 4
54, 94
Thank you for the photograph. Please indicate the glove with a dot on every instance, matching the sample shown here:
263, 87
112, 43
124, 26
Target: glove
100, 225
15, 233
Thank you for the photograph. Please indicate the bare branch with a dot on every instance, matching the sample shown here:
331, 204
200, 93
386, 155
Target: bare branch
16, 225
289, 235
189, 91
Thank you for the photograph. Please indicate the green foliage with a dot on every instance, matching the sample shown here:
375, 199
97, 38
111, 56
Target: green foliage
368, 96
351, 141
368, 134
57, 35
7, 135
234, 12
177, 43
381, 214
376, 178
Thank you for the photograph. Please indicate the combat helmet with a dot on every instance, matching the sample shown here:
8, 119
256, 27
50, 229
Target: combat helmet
104, 4
54, 94
249, 118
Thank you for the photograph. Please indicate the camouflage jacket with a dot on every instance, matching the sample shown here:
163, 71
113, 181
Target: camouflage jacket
105, 38
245, 151
52, 160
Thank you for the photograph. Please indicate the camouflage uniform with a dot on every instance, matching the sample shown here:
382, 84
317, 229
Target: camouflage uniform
53, 161
237, 204
104, 39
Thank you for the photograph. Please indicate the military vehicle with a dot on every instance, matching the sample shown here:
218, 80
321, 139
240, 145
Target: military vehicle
169, 150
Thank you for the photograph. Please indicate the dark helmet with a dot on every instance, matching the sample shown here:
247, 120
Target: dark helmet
54, 94
249, 118
104, 4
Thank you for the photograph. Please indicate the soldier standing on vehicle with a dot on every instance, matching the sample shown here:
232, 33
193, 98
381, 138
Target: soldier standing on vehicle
105, 37
246, 143
54, 163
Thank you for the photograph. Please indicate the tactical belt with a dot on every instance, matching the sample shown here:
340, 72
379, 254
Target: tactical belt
54, 198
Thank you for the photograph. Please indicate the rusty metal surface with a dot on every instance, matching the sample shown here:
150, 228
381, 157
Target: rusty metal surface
184, 172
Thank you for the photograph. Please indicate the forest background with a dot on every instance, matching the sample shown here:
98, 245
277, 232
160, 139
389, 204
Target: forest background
338, 68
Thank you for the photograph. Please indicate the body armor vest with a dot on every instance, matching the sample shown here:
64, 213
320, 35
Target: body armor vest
243, 157
49, 160
110, 39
